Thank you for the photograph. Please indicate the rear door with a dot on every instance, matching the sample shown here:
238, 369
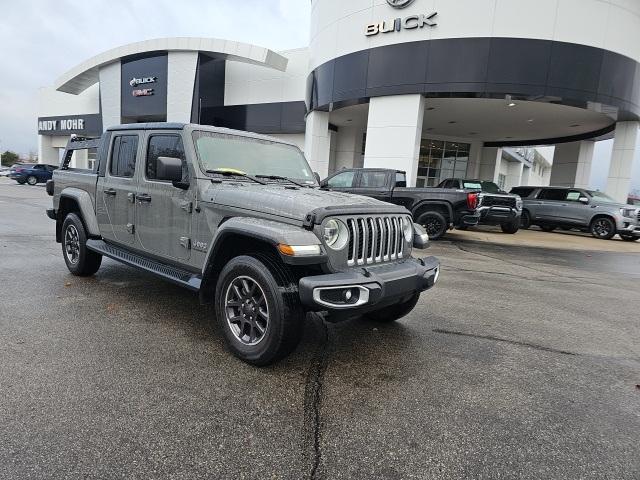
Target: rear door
552, 204
116, 190
375, 183
163, 212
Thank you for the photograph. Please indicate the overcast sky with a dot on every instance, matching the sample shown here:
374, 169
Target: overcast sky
41, 39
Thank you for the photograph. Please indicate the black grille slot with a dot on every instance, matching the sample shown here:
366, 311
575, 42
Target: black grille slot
493, 201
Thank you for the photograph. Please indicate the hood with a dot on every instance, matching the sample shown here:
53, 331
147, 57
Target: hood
277, 200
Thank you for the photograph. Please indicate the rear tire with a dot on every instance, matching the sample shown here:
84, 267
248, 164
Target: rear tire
79, 259
603, 228
394, 312
31, 180
525, 220
261, 321
434, 223
629, 238
511, 227
548, 228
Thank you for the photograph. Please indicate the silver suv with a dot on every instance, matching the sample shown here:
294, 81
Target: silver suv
586, 210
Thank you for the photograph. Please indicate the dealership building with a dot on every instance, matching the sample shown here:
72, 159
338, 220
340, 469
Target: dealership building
437, 88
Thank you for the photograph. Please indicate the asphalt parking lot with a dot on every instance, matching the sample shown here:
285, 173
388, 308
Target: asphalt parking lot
522, 363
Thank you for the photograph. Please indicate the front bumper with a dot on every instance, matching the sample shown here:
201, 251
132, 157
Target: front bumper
495, 215
369, 288
469, 219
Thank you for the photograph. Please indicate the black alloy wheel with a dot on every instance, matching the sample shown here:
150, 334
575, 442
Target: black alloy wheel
603, 228
434, 223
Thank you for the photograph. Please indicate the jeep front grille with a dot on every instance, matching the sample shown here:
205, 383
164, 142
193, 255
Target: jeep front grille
374, 240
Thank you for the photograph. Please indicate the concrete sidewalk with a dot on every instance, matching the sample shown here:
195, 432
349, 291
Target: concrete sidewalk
558, 239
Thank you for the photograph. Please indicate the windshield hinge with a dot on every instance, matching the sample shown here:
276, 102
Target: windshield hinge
309, 221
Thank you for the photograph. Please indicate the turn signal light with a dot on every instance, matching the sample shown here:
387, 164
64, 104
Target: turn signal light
472, 201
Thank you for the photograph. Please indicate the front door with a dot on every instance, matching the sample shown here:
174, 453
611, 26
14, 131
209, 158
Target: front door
577, 212
163, 212
116, 191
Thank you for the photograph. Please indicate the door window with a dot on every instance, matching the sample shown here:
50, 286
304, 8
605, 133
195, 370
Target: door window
373, 179
557, 194
401, 179
164, 146
574, 196
123, 156
342, 180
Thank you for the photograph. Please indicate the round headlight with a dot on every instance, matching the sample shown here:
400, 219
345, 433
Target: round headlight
335, 234
407, 229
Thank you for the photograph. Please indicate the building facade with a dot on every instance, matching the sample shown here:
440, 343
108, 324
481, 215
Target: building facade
434, 87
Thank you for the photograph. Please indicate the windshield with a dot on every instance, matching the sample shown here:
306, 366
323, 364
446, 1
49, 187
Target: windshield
601, 197
253, 156
472, 185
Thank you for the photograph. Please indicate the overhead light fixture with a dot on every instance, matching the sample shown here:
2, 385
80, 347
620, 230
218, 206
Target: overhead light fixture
452, 122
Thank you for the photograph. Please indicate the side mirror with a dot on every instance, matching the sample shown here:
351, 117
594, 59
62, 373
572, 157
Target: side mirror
316, 175
170, 169
420, 237
584, 200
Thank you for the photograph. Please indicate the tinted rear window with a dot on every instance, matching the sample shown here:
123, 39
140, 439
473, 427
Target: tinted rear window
553, 194
522, 191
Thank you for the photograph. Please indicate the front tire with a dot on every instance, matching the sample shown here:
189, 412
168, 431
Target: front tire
629, 238
434, 223
21, 181
261, 321
394, 312
79, 259
31, 180
603, 228
511, 227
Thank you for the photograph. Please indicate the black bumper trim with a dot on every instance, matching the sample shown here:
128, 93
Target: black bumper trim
51, 213
385, 283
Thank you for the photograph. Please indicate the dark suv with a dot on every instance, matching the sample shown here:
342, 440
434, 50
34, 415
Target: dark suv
496, 207
585, 210
31, 173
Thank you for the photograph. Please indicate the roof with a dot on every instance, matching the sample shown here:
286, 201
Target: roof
148, 126
81, 77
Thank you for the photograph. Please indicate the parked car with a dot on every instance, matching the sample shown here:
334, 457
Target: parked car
585, 210
31, 173
436, 209
238, 218
5, 171
497, 207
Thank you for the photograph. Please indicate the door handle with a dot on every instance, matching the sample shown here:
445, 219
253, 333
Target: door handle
111, 192
143, 197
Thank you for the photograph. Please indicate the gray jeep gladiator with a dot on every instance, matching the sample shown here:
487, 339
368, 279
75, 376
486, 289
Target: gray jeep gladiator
240, 219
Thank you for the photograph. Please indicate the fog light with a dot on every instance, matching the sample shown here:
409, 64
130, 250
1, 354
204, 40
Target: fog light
348, 295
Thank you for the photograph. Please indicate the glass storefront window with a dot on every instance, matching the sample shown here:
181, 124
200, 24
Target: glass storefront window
440, 160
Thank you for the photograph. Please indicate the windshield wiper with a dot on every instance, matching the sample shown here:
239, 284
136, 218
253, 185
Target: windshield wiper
235, 173
280, 177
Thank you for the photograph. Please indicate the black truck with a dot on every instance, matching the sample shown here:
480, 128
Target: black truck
436, 209
497, 207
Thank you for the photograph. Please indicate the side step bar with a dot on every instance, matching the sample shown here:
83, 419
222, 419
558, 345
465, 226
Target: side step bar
168, 272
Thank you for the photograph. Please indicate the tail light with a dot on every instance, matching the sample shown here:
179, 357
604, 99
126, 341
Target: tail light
472, 201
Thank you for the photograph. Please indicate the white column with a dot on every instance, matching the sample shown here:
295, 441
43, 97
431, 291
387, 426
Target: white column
490, 161
625, 149
572, 164
110, 87
47, 153
475, 159
317, 142
394, 133
181, 75
348, 145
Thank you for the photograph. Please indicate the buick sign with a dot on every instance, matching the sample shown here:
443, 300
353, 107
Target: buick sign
399, 3
141, 81
398, 24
